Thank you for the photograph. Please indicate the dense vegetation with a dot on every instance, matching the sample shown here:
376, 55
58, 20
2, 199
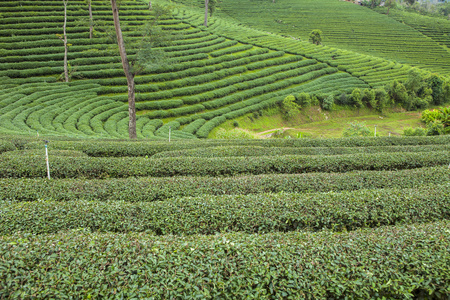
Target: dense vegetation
346, 26
363, 218
218, 232
210, 75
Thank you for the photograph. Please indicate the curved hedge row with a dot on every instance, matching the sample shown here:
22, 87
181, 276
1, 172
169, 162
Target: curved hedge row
259, 213
140, 148
6, 146
248, 151
12, 166
155, 189
272, 266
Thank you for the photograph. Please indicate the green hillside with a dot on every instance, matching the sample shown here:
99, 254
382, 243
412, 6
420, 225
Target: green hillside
346, 26
437, 29
210, 74
86, 214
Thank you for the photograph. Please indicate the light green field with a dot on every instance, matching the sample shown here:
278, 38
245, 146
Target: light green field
316, 123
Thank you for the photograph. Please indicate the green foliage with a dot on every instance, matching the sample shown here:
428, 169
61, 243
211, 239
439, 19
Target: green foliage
369, 98
6, 146
290, 107
357, 97
435, 127
262, 213
437, 121
148, 189
419, 131
101, 167
356, 129
212, 5
398, 93
101, 148
315, 36
139, 265
249, 151
382, 99
328, 102
304, 100
430, 115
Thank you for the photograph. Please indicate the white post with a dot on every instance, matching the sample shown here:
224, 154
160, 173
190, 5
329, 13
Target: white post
170, 127
375, 133
46, 161
389, 133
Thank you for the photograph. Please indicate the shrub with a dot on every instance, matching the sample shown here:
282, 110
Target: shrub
290, 108
148, 189
277, 265
95, 167
328, 102
304, 99
357, 98
418, 131
356, 129
315, 36
435, 128
260, 213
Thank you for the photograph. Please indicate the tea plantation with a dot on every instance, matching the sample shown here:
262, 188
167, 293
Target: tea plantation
263, 219
346, 218
209, 75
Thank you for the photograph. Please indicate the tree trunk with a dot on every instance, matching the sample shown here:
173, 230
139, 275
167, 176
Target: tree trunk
91, 20
127, 71
388, 10
66, 70
206, 13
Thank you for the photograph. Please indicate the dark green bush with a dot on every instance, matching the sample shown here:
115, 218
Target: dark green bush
6, 146
96, 167
273, 266
229, 151
248, 213
144, 148
154, 189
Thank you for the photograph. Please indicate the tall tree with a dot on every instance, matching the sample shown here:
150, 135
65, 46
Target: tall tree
315, 36
91, 19
66, 46
145, 55
127, 70
210, 6
206, 13
389, 4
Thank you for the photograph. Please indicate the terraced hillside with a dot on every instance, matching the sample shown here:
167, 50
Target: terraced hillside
346, 26
210, 75
303, 218
437, 29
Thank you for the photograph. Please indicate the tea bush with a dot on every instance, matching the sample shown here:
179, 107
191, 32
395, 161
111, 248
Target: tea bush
147, 189
276, 265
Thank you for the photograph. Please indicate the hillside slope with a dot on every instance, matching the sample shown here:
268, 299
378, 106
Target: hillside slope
211, 74
344, 25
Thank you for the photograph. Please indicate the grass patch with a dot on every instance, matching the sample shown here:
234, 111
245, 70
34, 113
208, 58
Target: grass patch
315, 122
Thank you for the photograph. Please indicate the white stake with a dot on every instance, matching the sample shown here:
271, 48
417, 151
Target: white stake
46, 160
375, 134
